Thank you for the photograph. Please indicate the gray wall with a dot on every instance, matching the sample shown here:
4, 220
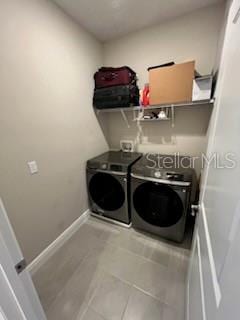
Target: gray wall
47, 63
190, 37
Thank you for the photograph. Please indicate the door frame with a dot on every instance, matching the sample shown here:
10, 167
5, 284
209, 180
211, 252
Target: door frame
201, 232
19, 282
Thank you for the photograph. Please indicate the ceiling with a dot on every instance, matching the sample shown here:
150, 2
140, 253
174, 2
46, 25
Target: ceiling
108, 19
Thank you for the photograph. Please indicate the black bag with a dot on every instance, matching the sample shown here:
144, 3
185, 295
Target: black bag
116, 97
168, 64
108, 77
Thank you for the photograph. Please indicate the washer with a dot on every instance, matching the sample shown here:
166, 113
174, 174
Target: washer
161, 193
108, 185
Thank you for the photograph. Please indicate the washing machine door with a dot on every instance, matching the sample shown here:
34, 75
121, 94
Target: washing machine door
106, 191
158, 204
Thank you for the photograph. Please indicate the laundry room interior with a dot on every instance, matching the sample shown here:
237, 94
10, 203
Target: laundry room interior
111, 112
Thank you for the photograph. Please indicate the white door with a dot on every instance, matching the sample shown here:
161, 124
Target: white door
19, 299
217, 228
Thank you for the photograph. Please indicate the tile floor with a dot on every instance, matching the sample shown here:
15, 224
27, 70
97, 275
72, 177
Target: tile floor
105, 272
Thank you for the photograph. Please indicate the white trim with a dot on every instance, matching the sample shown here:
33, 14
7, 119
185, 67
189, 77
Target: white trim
2, 314
193, 248
10, 288
28, 295
56, 244
187, 301
201, 277
217, 291
9, 236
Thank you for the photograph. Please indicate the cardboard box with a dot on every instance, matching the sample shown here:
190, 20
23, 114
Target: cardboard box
171, 84
202, 88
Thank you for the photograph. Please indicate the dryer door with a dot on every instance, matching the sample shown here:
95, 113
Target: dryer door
106, 191
158, 204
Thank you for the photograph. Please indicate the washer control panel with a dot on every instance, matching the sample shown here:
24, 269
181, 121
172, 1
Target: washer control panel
111, 167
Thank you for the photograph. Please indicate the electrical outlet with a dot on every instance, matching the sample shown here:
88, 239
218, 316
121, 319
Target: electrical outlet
127, 145
33, 168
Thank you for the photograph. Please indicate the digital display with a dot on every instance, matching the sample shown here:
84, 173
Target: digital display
115, 167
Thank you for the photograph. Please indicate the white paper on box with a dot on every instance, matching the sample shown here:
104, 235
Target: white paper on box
202, 88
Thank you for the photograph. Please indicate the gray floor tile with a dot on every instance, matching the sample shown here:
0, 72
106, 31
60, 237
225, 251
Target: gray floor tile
129, 240
56, 272
122, 264
101, 254
111, 297
175, 294
172, 314
105, 230
157, 251
91, 315
67, 310
89, 228
76, 295
68, 281
143, 307
153, 279
179, 260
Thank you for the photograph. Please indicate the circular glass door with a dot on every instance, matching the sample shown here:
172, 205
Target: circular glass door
106, 191
158, 204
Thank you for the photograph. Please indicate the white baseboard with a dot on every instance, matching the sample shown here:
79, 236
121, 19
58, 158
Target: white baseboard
187, 302
56, 244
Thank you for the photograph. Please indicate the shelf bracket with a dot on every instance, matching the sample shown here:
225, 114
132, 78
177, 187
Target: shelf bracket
125, 118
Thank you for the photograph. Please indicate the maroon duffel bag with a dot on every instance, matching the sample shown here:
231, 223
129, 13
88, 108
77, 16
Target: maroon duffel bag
108, 77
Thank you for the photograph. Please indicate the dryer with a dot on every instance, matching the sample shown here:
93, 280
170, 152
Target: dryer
108, 185
161, 194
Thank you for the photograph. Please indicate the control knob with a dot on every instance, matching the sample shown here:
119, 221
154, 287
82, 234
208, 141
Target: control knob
104, 166
157, 174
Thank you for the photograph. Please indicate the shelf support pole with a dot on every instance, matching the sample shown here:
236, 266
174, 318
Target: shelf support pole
173, 115
125, 118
